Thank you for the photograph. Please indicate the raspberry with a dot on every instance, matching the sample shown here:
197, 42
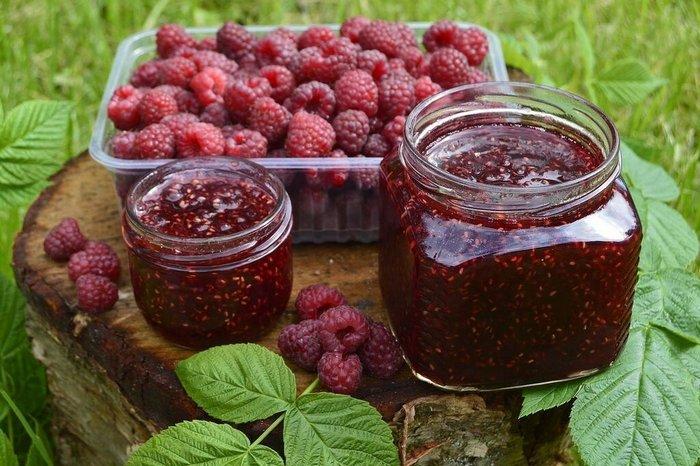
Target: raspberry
441, 34
183, 51
448, 67
64, 239
269, 118
340, 373
215, 114
274, 50
281, 80
324, 179
155, 141
84, 262
313, 97
383, 36
380, 354
208, 43
376, 146
178, 123
373, 62
211, 59
171, 36
375, 125
285, 33
309, 135
177, 71
155, 105
474, 44
96, 293
327, 62
343, 329
241, 95
98, 247
186, 102
393, 130
147, 75
396, 94
406, 37
234, 41
352, 27
122, 144
209, 85
299, 343
246, 143
425, 87
229, 130
351, 130
123, 107
315, 36
475, 75
356, 90
365, 178
201, 139
412, 59
314, 300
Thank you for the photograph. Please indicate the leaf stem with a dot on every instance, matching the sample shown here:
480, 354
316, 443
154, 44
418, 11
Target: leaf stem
312, 386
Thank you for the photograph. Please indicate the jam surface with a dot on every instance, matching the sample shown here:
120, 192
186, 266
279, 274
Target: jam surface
497, 300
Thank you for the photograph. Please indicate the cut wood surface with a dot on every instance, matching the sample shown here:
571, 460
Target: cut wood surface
111, 376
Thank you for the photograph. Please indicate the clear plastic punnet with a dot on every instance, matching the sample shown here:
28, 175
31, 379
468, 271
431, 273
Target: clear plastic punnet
348, 213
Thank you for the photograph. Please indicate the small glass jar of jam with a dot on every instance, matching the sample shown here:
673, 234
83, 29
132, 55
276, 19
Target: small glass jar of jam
509, 242
209, 250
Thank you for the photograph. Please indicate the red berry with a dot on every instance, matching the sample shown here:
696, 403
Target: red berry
380, 354
412, 59
384, 36
315, 36
300, 344
269, 118
96, 293
425, 87
357, 90
393, 130
274, 50
474, 44
187, 102
309, 135
234, 41
123, 107
98, 247
177, 71
147, 75
201, 139
281, 80
343, 329
246, 143
351, 130
215, 114
340, 373
287, 34
83, 262
352, 27
376, 146
441, 34
171, 36
64, 239
155, 105
475, 75
241, 94
396, 94
365, 179
122, 145
327, 62
373, 62
209, 85
155, 141
449, 67
313, 97
211, 59
208, 43
178, 123
327, 178
314, 300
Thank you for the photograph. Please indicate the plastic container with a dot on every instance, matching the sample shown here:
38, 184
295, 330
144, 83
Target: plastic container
350, 213
509, 243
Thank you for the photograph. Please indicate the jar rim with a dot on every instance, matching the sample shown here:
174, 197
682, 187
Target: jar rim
282, 207
610, 163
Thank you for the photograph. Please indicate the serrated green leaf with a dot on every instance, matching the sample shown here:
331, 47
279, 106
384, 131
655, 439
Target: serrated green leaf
668, 241
644, 409
548, 396
652, 181
7, 456
330, 429
20, 196
627, 82
203, 443
12, 334
32, 140
238, 383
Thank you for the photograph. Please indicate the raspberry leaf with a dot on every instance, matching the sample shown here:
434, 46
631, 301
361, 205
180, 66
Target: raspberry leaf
7, 456
652, 181
548, 396
330, 429
202, 442
668, 241
626, 82
12, 336
238, 383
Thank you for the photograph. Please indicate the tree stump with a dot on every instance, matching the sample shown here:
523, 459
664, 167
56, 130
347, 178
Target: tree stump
111, 376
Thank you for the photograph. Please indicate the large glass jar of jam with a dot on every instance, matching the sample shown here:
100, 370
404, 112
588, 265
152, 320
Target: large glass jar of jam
509, 242
209, 250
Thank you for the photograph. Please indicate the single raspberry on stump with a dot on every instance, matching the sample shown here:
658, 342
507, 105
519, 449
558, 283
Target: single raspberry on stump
97, 263
234, 41
96, 293
449, 68
64, 240
352, 27
380, 354
210, 59
171, 36
315, 36
281, 80
155, 141
396, 94
376, 146
356, 90
177, 71
209, 85
178, 123
215, 114
123, 107
393, 130
147, 75
313, 97
269, 118
343, 329
201, 139
241, 94
309, 135
351, 130
246, 143
314, 300
274, 50
156, 104
98, 247
122, 145
300, 344
425, 87
373, 62
340, 373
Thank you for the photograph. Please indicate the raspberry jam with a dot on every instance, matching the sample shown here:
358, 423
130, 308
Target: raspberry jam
209, 250
509, 243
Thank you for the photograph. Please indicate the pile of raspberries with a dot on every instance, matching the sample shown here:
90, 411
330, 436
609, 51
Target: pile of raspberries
313, 94
338, 341
92, 265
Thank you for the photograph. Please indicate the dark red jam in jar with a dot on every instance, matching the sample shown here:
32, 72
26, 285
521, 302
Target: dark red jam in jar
209, 250
509, 242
